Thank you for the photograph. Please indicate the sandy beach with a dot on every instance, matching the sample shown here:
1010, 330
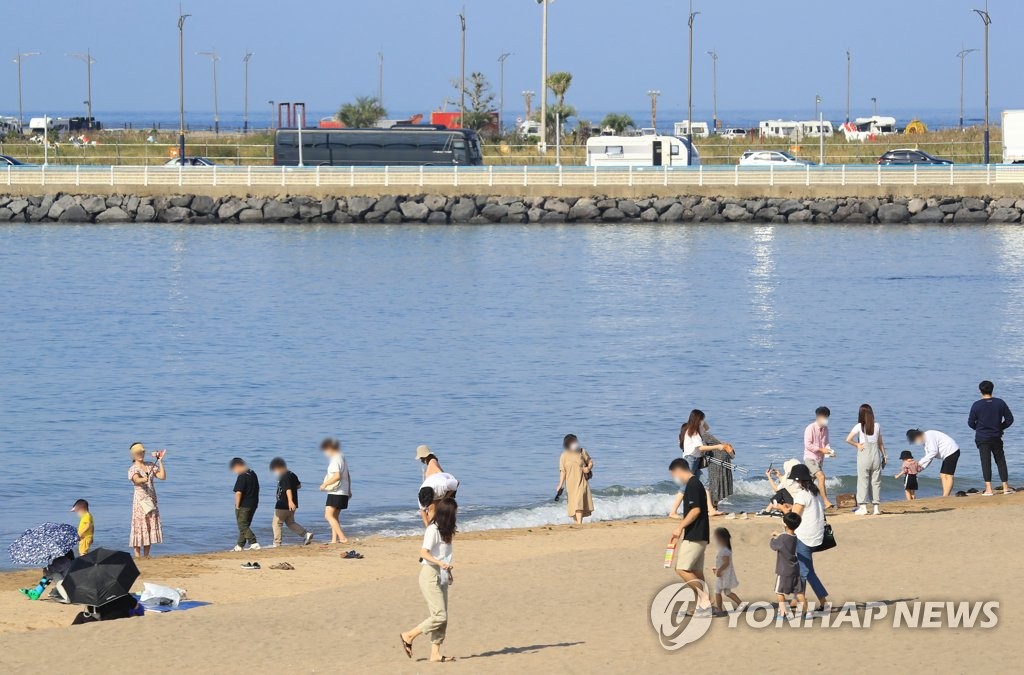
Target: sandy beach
571, 599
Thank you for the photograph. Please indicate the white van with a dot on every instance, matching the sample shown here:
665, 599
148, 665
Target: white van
641, 151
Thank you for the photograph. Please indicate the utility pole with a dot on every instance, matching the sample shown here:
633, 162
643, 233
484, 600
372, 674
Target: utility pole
689, 86
874, 106
654, 94
380, 77
21, 56
964, 53
212, 55
528, 97
986, 18
821, 128
181, 83
544, 77
714, 89
88, 60
849, 81
272, 109
501, 92
462, 80
245, 114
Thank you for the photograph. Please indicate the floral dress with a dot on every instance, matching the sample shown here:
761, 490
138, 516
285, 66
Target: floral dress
146, 529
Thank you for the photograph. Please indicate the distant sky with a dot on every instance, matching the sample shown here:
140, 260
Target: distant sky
774, 54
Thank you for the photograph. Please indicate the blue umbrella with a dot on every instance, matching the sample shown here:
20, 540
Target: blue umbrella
41, 544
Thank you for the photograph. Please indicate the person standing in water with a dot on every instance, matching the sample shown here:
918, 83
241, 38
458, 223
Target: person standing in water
338, 486
816, 448
989, 418
575, 467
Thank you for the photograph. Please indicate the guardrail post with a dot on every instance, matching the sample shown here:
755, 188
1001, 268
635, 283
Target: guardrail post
915, 175
736, 175
561, 177
952, 180
630, 175
526, 178
843, 180
879, 175
352, 176
665, 172
248, 176
318, 175
42, 175
808, 167
180, 167
214, 175
387, 177
455, 176
490, 176
8, 174
145, 175
700, 170
111, 175
78, 175
771, 175
988, 174
421, 175
283, 176
595, 175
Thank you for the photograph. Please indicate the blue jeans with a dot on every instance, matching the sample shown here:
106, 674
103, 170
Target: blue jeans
805, 557
694, 463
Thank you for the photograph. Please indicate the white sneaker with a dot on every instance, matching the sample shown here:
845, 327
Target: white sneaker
308, 539
861, 511
254, 547
237, 549
877, 511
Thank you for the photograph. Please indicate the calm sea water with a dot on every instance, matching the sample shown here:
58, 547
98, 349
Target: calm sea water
489, 344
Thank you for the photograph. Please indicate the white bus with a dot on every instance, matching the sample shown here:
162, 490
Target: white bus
641, 151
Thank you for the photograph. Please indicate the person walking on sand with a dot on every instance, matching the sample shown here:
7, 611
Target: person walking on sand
816, 448
937, 444
693, 534
435, 578
247, 500
787, 568
146, 526
989, 418
866, 436
809, 505
338, 486
287, 503
725, 570
575, 467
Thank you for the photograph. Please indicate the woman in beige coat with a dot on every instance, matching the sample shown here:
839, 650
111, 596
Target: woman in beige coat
575, 468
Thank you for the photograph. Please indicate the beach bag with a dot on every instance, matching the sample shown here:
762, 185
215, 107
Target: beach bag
155, 594
847, 500
828, 540
147, 505
587, 459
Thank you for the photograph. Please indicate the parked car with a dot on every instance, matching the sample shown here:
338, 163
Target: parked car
7, 160
189, 161
776, 158
910, 158
733, 134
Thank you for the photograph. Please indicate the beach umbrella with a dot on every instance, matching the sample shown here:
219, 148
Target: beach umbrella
41, 544
100, 576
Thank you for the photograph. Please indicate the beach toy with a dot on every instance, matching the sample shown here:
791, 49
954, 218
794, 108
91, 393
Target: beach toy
670, 552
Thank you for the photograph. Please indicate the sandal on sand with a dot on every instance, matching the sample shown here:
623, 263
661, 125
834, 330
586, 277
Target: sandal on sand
352, 555
251, 566
407, 646
282, 566
446, 659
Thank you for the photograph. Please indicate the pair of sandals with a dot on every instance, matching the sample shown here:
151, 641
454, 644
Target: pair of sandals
352, 555
251, 566
407, 647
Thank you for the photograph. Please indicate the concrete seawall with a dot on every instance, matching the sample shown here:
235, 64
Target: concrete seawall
470, 209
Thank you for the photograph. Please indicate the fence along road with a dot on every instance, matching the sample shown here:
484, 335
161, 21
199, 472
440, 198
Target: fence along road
587, 180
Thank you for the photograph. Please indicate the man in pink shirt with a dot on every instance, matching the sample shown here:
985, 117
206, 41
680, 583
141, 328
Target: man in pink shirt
816, 447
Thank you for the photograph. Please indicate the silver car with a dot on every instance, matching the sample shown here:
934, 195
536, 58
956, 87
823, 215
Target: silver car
776, 158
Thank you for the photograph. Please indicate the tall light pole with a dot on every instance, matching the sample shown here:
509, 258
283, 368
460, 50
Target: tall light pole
849, 81
212, 55
272, 109
181, 83
544, 76
245, 110
21, 56
986, 18
689, 86
962, 55
874, 106
501, 91
821, 128
714, 88
380, 77
654, 94
88, 60
462, 79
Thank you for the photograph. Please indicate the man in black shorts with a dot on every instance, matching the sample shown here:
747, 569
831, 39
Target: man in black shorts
937, 444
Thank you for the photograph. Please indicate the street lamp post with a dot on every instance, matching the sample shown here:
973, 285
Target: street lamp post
849, 81
501, 92
821, 128
245, 110
273, 107
714, 89
21, 56
689, 86
986, 18
874, 106
380, 77
544, 76
88, 60
962, 55
654, 94
462, 80
212, 55
181, 83
528, 98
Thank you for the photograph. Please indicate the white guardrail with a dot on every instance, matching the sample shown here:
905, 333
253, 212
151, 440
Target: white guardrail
509, 176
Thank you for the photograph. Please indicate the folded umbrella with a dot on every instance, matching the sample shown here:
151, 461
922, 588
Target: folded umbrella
100, 576
41, 544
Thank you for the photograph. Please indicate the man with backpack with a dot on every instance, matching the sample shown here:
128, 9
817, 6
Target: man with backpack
287, 502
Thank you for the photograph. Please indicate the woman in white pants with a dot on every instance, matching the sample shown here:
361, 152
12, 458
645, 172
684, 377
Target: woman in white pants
866, 436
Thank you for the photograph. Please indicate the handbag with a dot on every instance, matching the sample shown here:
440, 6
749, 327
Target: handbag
587, 459
147, 505
828, 540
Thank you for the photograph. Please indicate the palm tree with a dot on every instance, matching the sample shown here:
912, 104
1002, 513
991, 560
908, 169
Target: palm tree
617, 122
559, 84
364, 112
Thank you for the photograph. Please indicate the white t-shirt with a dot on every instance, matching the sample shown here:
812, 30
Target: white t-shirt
441, 484
864, 438
937, 444
691, 445
438, 549
339, 466
812, 523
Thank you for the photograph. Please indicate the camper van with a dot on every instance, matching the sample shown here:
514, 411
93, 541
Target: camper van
867, 128
700, 129
1013, 137
641, 151
779, 128
816, 129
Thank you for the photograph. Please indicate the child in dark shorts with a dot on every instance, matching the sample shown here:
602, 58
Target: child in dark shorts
787, 570
909, 472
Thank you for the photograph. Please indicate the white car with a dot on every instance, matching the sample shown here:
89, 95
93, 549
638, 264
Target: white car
189, 161
733, 134
776, 158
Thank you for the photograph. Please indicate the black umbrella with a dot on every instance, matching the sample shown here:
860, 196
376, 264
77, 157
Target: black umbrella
100, 576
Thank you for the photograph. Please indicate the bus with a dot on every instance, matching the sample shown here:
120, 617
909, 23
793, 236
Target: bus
401, 145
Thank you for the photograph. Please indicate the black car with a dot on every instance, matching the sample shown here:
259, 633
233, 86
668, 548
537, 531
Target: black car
910, 158
7, 160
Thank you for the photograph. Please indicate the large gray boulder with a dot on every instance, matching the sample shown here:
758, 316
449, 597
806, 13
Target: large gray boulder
17, 206
204, 205
494, 212
673, 214
360, 206
557, 206
60, 205
893, 213
929, 215
463, 211
789, 207
175, 214
75, 214
276, 210
966, 216
736, 213
415, 211
229, 209
250, 216
145, 213
114, 214
585, 209
1004, 215
435, 202
94, 205
801, 216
